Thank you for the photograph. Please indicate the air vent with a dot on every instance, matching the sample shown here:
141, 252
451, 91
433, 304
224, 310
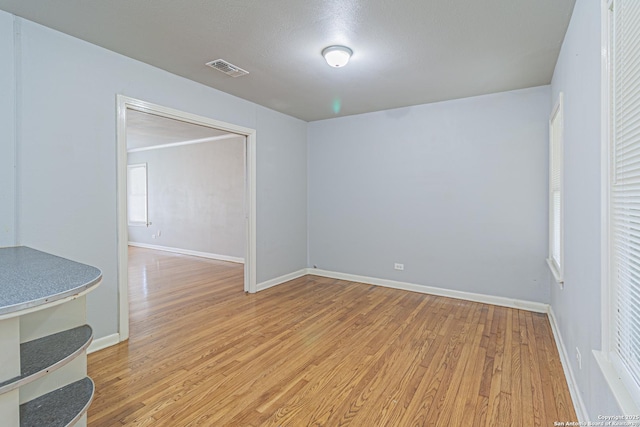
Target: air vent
228, 69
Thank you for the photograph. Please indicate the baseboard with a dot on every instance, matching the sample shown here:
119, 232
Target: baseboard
104, 342
279, 280
578, 403
537, 307
189, 252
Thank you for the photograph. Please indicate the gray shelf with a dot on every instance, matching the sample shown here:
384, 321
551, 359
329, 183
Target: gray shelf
60, 408
30, 278
41, 356
34, 286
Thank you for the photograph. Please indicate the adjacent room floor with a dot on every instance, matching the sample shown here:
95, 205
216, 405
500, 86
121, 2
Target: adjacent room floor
319, 352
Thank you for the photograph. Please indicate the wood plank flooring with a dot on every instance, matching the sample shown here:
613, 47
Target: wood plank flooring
319, 352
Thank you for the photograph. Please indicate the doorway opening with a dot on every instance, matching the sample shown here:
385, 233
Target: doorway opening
131, 111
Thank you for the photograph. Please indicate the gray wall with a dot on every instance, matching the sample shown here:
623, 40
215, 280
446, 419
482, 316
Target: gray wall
7, 137
577, 307
66, 181
456, 191
282, 198
195, 197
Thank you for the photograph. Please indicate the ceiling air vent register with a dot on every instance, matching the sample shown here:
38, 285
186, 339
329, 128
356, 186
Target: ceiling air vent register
227, 68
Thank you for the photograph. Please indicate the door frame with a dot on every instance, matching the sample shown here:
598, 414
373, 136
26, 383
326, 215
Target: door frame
125, 103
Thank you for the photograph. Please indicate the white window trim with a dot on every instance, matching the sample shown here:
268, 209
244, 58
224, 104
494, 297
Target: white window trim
607, 359
146, 222
557, 268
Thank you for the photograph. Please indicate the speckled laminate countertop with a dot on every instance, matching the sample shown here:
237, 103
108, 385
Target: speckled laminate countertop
29, 278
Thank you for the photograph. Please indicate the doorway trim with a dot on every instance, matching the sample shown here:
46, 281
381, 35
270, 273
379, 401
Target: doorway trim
124, 103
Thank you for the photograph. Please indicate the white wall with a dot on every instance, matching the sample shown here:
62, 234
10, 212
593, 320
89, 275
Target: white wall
456, 191
577, 307
67, 164
195, 197
7, 137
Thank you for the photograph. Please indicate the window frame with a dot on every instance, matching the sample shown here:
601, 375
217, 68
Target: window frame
144, 222
556, 167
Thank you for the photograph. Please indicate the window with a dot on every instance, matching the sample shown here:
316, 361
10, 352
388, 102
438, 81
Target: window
624, 194
137, 194
556, 247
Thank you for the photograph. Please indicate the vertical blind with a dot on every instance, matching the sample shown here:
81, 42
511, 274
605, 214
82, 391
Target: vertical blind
625, 184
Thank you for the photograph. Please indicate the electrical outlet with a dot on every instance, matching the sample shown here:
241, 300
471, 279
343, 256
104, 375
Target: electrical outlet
579, 358
398, 266
158, 233
153, 236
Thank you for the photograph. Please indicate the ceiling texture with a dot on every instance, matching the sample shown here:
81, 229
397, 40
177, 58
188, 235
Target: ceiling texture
147, 130
404, 52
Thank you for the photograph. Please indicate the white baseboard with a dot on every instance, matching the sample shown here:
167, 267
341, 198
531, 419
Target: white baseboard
576, 397
209, 255
104, 342
279, 280
537, 307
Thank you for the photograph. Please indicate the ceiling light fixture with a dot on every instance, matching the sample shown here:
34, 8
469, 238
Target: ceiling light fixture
337, 56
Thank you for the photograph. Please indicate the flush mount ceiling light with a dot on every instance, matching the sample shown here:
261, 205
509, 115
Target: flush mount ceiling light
337, 56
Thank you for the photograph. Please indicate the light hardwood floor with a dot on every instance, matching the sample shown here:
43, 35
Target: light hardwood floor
319, 352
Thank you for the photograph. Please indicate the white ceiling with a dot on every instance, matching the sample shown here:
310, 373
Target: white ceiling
148, 130
405, 52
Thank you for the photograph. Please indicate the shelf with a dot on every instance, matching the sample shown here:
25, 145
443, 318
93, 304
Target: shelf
44, 339
30, 279
60, 408
41, 356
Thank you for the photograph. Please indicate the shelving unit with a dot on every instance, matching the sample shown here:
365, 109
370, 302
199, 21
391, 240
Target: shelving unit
44, 338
